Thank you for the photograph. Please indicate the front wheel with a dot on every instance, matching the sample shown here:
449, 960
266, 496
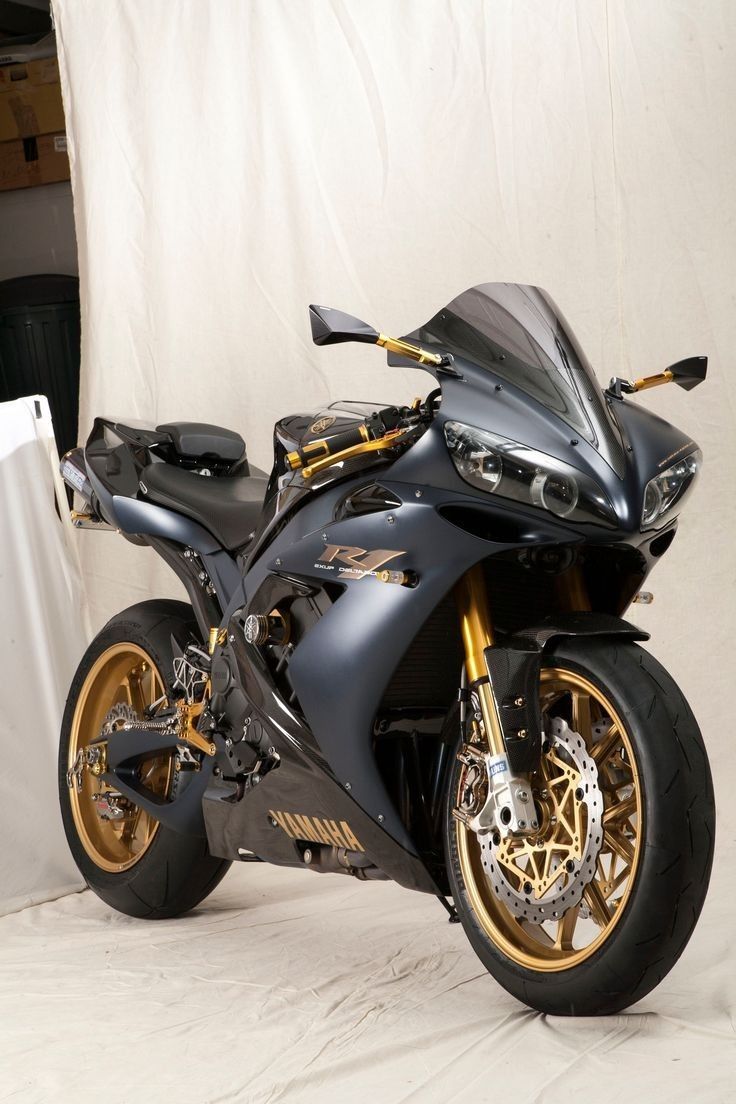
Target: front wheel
589, 915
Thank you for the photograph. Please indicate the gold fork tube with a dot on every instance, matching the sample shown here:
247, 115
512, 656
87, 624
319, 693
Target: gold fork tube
471, 596
571, 589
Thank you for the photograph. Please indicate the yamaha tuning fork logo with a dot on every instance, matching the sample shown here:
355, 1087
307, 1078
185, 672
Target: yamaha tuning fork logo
322, 424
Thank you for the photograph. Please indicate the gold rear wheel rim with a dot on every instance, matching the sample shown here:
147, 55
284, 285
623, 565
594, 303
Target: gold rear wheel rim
562, 944
123, 674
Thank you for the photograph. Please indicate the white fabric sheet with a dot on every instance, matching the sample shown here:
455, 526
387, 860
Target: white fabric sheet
43, 637
313, 989
232, 162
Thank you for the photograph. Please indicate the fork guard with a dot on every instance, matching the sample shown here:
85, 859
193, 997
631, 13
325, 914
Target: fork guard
513, 670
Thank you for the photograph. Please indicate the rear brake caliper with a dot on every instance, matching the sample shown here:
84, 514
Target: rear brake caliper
111, 805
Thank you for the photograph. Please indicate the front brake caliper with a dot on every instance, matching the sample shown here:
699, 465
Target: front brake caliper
509, 807
491, 798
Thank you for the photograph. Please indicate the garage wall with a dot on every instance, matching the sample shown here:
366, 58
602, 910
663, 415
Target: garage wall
232, 162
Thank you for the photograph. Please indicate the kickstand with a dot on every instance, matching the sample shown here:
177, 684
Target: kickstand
452, 916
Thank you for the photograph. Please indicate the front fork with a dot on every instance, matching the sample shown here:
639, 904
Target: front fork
509, 808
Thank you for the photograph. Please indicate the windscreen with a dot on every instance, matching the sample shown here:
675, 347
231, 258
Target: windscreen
517, 332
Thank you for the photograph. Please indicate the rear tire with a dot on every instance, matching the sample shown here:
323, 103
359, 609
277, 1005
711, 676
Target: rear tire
676, 823
173, 873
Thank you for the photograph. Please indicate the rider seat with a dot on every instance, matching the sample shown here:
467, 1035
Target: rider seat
228, 506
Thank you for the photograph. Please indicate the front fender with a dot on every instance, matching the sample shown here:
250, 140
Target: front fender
582, 623
513, 670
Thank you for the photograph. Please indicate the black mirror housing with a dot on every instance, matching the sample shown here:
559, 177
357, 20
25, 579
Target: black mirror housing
690, 372
331, 327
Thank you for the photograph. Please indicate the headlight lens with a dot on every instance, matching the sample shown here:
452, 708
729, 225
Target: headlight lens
512, 470
668, 489
557, 493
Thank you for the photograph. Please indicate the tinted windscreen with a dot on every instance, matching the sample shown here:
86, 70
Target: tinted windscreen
517, 332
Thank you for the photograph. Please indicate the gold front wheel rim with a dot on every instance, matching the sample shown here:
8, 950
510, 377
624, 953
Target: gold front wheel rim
124, 674
561, 944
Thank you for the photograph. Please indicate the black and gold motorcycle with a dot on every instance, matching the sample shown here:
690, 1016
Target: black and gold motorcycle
404, 657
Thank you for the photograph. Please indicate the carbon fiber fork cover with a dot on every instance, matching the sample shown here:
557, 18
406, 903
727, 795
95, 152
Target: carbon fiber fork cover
514, 675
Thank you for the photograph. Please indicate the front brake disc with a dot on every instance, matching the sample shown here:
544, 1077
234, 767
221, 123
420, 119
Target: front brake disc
540, 878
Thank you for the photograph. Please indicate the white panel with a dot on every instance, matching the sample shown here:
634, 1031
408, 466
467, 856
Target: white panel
44, 635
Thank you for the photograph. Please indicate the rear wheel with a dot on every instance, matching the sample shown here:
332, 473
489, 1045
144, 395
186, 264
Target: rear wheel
588, 915
126, 856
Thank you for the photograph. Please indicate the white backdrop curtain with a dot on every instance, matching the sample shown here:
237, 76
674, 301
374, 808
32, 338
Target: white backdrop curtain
233, 161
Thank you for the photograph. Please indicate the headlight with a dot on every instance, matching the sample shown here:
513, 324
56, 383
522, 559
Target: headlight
512, 470
668, 489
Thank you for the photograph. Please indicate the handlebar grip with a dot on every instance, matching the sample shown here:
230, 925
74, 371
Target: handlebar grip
328, 446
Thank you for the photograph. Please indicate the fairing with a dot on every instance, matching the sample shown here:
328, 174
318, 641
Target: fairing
516, 332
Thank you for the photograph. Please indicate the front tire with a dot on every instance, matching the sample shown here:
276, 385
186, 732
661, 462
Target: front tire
140, 868
655, 815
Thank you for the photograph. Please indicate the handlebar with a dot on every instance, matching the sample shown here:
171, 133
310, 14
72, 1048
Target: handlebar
329, 446
383, 426
384, 429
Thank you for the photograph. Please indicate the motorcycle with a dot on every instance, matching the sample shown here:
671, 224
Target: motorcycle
404, 657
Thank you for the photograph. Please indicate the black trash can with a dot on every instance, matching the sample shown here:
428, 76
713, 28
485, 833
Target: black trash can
40, 346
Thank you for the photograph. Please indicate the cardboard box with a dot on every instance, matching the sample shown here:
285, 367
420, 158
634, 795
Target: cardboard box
41, 160
30, 99
29, 74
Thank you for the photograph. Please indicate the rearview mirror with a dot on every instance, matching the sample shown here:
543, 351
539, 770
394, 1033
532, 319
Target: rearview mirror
330, 327
687, 373
690, 372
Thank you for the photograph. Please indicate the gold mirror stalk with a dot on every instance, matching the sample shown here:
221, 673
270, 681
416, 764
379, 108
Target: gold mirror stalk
406, 349
646, 382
